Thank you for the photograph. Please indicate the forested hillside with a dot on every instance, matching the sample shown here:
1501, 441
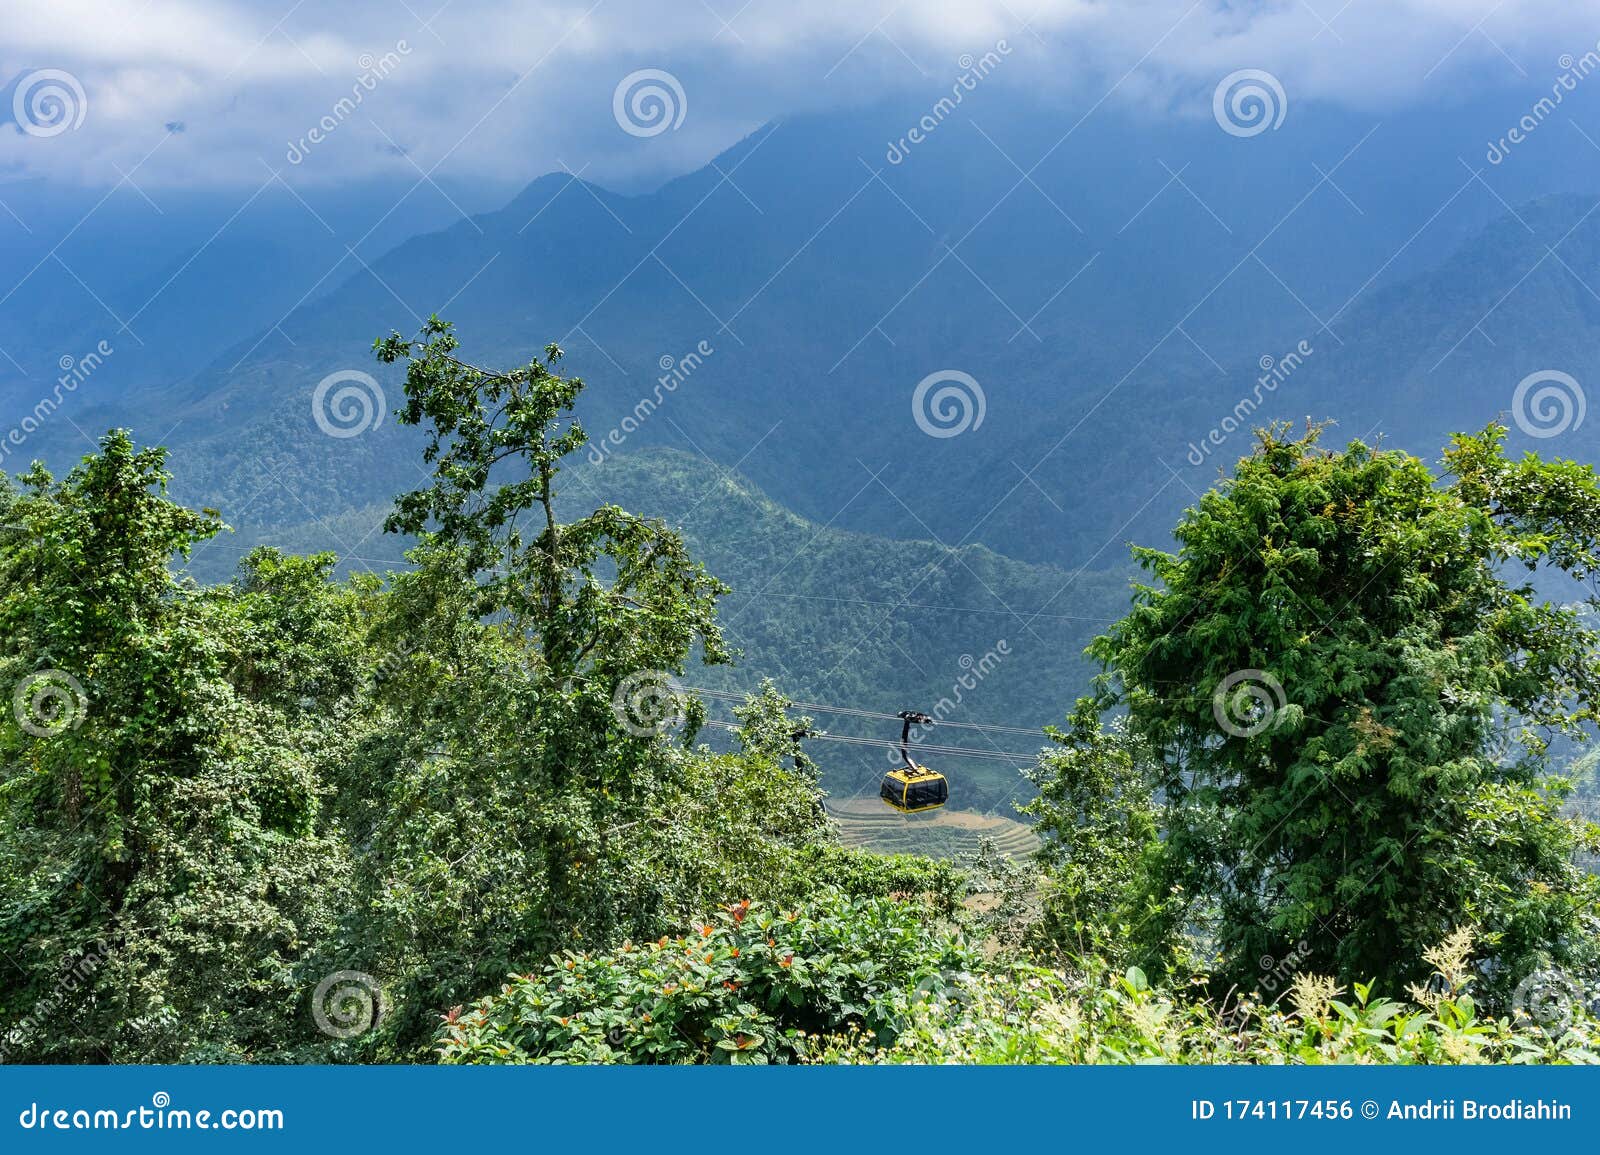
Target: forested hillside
1111, 319
792, 321
464, 812
834, 616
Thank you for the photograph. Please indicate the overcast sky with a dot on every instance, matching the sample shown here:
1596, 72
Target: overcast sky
209, 91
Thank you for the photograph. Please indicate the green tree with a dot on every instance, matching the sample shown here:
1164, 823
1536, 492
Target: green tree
532, 788
1098, 824
1323, 678
161, 773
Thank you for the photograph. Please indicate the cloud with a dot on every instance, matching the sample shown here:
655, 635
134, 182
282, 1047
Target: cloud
514, 88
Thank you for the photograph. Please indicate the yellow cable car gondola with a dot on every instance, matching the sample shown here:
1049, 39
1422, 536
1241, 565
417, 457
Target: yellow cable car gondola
913, 788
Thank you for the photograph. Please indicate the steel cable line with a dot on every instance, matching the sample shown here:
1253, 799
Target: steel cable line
733, 696
927, 606
943, 751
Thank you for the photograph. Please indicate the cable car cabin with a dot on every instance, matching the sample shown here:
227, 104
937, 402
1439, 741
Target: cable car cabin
913, 788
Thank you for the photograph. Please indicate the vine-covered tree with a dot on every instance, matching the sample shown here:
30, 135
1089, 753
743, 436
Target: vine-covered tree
163, 866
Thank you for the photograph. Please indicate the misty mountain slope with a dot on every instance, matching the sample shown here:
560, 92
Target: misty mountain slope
833, 616
171, 278
1070, 488
1114, 305
844, 618
831, 281
1519, 299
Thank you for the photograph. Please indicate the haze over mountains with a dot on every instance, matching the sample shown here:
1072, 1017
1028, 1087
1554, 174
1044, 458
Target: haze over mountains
1114, 286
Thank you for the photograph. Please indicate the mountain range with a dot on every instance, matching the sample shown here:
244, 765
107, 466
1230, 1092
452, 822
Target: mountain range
1095, 311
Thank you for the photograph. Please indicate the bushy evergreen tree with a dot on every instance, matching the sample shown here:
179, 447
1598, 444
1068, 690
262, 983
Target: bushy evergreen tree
1321, 684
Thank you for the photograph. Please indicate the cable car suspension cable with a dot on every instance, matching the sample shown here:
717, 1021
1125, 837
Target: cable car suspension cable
734, 696
943, 751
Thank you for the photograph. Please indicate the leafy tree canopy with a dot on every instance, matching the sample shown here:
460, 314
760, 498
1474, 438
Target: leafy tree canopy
1343, 698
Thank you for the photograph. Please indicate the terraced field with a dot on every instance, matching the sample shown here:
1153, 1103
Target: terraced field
868, 823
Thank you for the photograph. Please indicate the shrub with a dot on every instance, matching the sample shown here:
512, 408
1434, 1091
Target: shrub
1029, 1015
749, 985
868, 874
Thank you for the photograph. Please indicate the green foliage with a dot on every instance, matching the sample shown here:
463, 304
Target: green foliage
599, 597
750, 985
939, 885
214, 798
1360, 804
162, 815
258, 784
1099, 828
455, 876
515, 795
1031, 1015
838, 612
